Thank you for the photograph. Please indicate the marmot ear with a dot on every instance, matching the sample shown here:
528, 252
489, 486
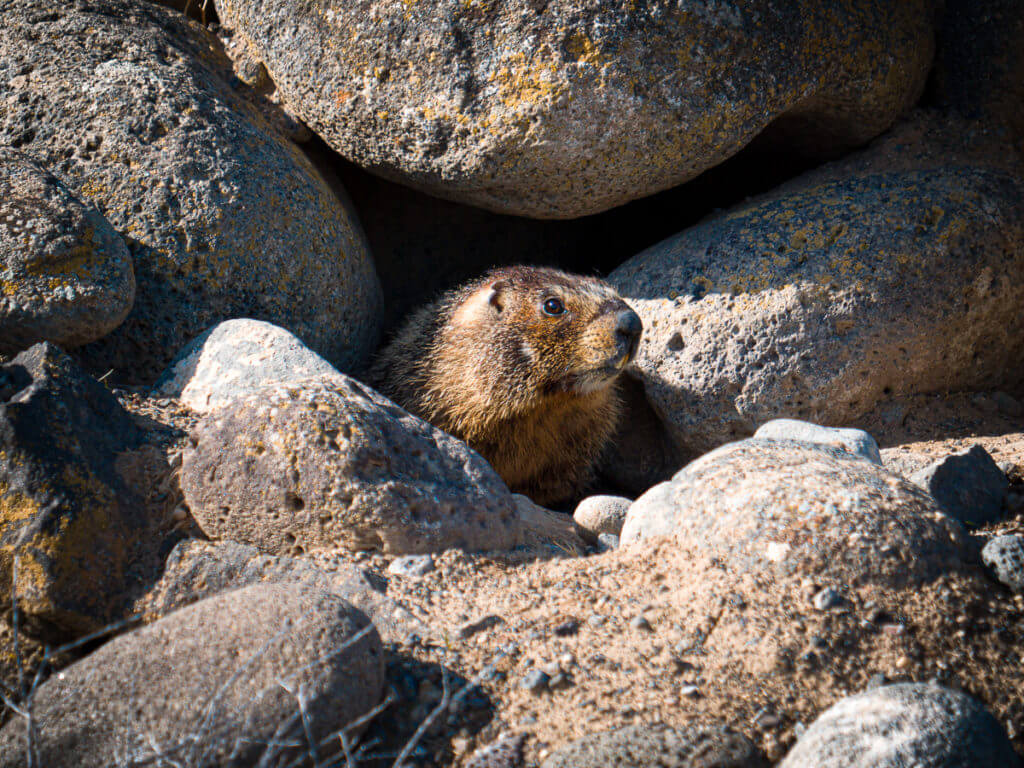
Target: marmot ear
495, 296
484, 301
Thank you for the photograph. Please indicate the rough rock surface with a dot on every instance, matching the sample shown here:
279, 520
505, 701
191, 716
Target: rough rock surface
602, 514
893, 272
1005, 556
65, 274
70, 508
638, 745
235, 358
901, 725
291, 468
805, 509
567, 108
969, 486
128, 104
856, 441
199, 569
211, 684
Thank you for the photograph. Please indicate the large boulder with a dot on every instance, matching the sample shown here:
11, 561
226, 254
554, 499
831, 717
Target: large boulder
73, 496
129, 104
895, 272
564, 108
65, 275
260, 672
295, 467
805, 509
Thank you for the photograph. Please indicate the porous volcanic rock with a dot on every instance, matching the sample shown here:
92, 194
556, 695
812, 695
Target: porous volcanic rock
904, 724
70, 506
128, 103
894, 272
566, 108
293, 467
647, 745
212, 684
235, 358
801, 508
65, 274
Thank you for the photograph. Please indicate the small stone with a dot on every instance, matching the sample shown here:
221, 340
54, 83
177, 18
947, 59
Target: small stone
856, 441
1005, 556
412, 566
504, 752
561, 680
471, 628
535, 681
690, 690
606, 542
969, 486
827, 599
602, 514
567, 628
641, 623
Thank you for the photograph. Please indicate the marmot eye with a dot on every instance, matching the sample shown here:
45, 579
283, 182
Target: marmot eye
553, 307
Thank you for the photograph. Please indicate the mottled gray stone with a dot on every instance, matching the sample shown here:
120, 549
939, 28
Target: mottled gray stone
640, 746
968, 485
412, 566
211, 684
893, 272
1005, 556
316, 464
569, 108
235, 358
129, 105
601, 514
856, 441
65, 275
802, 508
907, 724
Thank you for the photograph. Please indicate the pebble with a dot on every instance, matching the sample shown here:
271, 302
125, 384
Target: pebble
602, 514
471, 628
691, 691
1004, 555
567, 628
969, 486
412, 566
827, 599
607, 542
535, 681
641, 623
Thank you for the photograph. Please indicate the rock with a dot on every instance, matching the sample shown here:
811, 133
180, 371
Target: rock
196, 570
802, 509
65, 274
535, 681
1005, 556
235, 358
856, 441
545, 532
212, 684
967, 485
291, 468
827, 599
900, 725
641, 624
72, 505
606, 542
470, 628
412, 566
129, 104
890, 273
565, 110
504, 752
649, 745
601, 514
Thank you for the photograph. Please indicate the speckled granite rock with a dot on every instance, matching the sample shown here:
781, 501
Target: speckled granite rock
128, 104
601, 514
69, 507
634, 746
805, 509
894, 272
1005, 556
856, 441
234, 359
909, 724
211, 684
65, 274
568, 108
291, 468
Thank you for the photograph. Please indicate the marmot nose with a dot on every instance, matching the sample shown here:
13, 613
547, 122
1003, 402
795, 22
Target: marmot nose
627, 323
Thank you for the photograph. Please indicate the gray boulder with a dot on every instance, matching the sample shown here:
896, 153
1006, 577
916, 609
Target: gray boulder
1005, 556
968, 485
65, 274
318, 464
601, 514
234, 359
223, 682
640, 746
856, 441
761, 505
908, 724
566, 108
893, 272
128, 103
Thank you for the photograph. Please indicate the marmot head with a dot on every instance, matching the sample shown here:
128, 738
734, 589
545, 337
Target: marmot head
543, 331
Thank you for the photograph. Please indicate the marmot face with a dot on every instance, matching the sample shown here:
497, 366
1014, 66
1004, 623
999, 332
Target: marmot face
522, 365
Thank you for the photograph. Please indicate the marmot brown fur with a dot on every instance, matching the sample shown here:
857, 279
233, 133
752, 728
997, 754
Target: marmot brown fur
522, 364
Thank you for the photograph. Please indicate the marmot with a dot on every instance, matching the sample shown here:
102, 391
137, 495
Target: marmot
522, 364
